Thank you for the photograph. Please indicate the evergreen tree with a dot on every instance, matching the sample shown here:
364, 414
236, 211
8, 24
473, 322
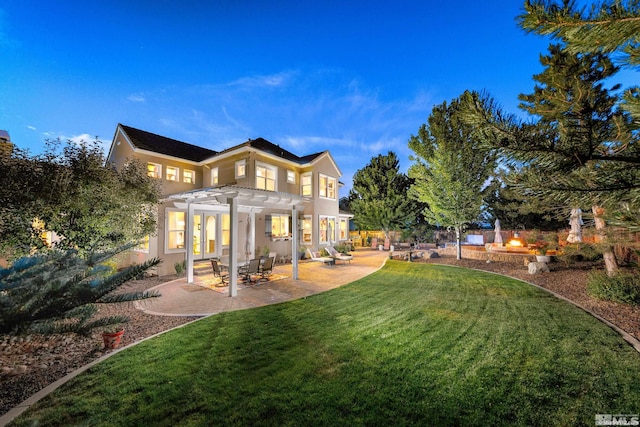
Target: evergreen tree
451, 169
378, 198
56, 292
583, 151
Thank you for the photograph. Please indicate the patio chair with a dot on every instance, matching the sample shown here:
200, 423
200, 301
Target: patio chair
253, 269
315, 256
267, 268
374, 243
387, 245
218, 272
338, 255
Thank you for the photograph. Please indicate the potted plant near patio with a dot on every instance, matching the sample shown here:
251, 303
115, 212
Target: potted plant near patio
541, 252
112, 336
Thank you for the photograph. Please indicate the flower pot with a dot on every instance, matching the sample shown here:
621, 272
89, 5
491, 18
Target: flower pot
543, 258
112, 339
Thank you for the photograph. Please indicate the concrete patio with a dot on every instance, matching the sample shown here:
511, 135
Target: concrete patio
180, 298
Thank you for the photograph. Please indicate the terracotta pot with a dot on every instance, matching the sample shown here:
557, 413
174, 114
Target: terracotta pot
112, 340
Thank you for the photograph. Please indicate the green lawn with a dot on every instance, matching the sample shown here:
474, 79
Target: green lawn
410, 344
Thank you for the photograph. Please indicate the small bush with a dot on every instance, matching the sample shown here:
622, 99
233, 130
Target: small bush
579, 252
342, 248
324, 252
623, 287
180, 267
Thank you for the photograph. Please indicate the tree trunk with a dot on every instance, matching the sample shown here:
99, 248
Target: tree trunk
458, 244
607, 250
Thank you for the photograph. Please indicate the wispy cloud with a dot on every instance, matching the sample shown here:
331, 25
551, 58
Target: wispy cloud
264, 81
136, 97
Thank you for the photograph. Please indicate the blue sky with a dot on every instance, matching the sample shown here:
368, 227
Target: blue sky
357, 78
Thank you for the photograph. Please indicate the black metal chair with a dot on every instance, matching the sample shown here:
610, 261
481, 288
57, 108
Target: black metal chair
267, 268
253, 269
218, 272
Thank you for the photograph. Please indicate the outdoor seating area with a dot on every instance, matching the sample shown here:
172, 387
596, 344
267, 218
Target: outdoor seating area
252, 272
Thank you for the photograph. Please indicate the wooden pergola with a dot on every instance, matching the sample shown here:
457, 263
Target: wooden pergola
234, 199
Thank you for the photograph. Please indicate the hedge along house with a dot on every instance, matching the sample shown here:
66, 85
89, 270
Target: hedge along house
256, 193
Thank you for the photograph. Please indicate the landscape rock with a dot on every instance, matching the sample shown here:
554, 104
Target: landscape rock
538, 267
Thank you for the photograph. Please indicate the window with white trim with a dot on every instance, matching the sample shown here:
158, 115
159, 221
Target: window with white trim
154, 170
176, 229
172, 173
226, 229
188, 177
214, 176
344, 229
327, 229
241, 168
306, 184
291, 176
327, 187
307, 228
279, 226
266, 177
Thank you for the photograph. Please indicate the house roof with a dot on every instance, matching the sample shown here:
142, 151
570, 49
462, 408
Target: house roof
275, 150
161, 144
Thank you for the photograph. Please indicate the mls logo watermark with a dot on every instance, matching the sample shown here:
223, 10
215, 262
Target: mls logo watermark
617, 420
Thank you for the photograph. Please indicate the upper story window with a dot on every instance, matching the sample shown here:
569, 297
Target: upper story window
172, 173
266, 177
306, 184
188, 177
327, 187
154, 170
291, 177
241, 168
214, 176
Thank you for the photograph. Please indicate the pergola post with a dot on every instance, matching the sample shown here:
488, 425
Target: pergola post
294, 242
189, 241
233, 246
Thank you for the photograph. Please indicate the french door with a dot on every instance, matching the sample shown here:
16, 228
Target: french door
204, 235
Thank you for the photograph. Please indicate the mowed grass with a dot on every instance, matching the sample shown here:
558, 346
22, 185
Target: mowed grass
412, 344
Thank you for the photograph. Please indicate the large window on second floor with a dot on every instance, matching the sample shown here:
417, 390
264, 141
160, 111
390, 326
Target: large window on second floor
154, 170
327, 187
214, 176
266, 177
306, 184
172, 173
188, 177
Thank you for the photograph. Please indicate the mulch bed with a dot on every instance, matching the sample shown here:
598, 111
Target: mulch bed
47, 360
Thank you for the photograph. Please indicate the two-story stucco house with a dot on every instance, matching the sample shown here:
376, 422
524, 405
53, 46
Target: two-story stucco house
266, 195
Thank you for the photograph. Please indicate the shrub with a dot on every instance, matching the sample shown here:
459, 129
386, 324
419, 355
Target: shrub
623, 287
579, 252
180, 267
342, 248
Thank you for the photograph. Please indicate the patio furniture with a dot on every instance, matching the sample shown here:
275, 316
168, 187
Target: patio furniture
374, 243
315, 256
218, 272
267, 268
387, 245
338, 255
250, 270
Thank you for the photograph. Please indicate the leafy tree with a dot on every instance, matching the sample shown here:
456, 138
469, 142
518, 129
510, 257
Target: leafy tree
70, 190
56, 292
451, 168
582, 150
379, 195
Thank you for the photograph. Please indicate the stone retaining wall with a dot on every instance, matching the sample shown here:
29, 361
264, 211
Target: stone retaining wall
484, 256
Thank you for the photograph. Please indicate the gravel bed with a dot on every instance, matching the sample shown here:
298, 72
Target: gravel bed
28, 364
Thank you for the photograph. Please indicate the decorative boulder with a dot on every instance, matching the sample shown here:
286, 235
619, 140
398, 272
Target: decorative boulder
433, 254
538, 267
